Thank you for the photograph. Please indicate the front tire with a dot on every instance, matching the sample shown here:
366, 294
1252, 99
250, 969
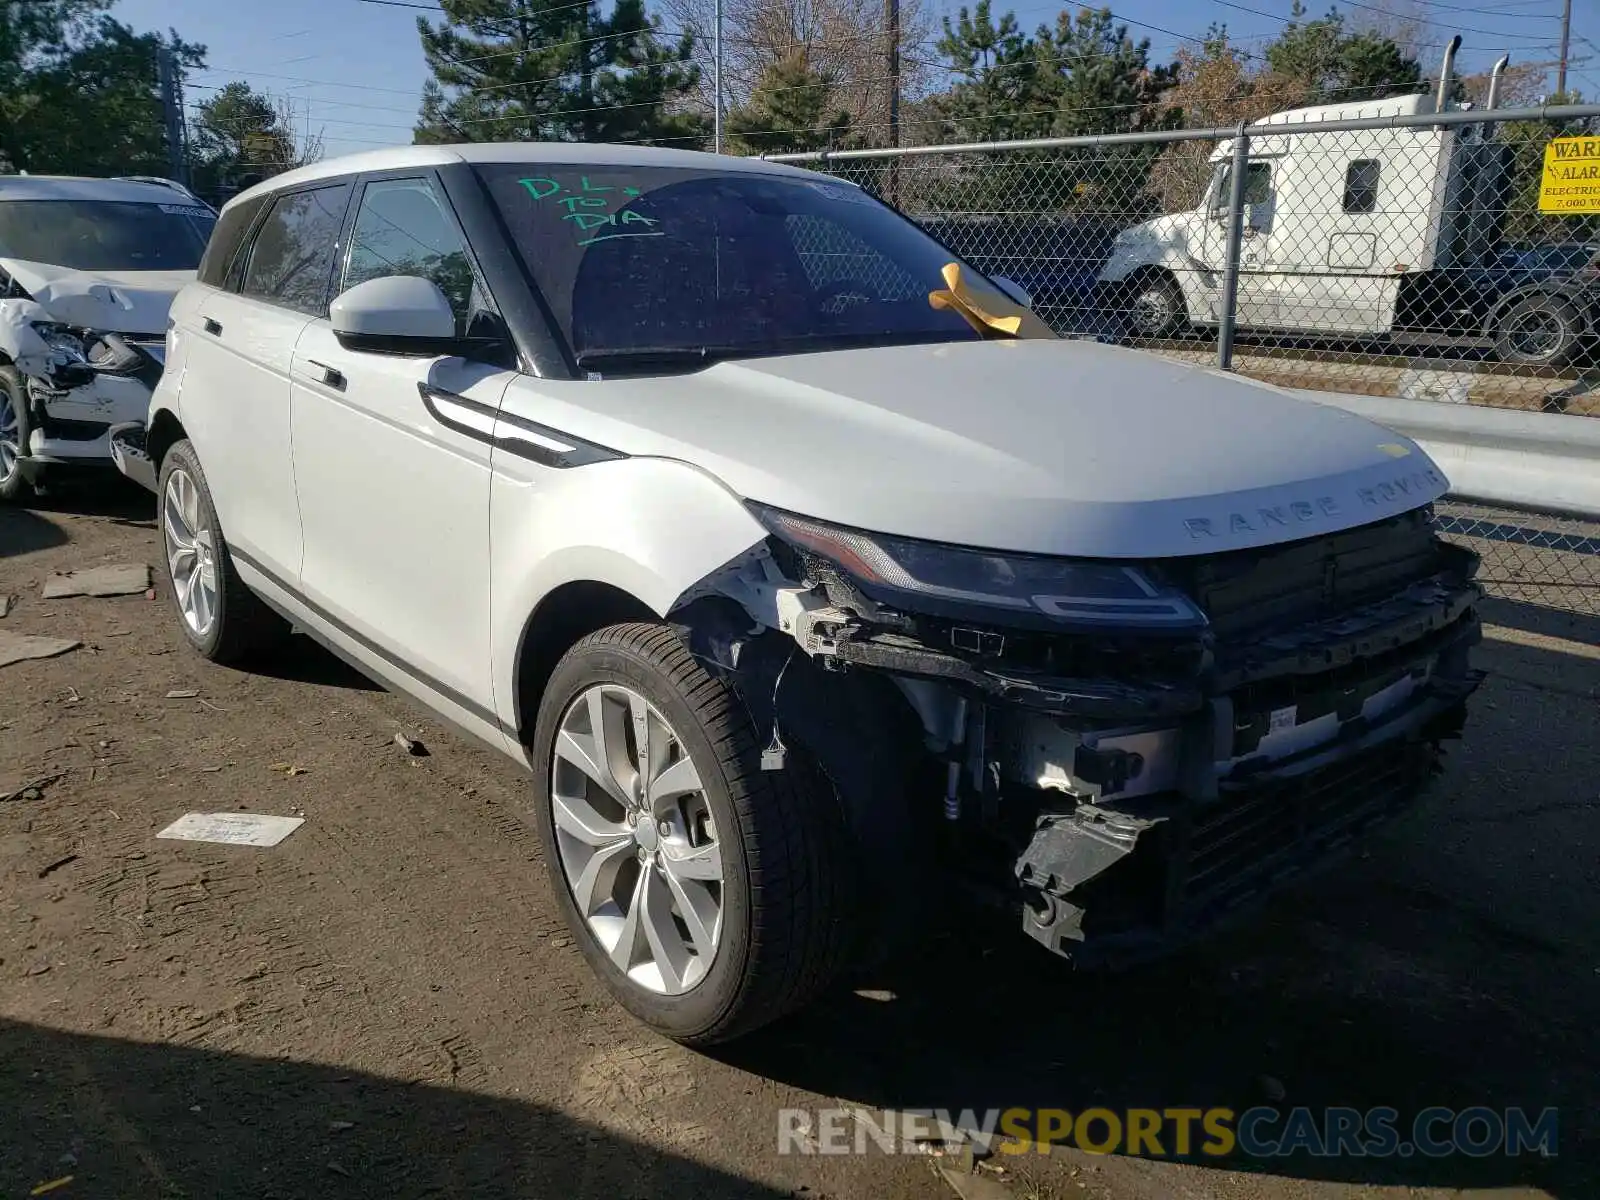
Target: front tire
220, 617
1155, 307
706, 893
14, 432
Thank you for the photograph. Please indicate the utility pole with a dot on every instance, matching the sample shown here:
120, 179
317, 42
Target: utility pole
1566, 38
716, 83
172, 113
891, 32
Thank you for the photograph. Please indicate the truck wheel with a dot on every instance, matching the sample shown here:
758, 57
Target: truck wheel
1155, 307
220, 617
1538, 331
706, 893
13, 435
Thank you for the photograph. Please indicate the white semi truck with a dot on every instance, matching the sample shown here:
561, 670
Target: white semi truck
1365, 233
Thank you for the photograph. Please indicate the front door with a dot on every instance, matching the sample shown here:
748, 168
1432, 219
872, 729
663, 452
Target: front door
1257, 306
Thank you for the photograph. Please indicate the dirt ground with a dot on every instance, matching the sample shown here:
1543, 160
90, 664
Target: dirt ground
386, 1004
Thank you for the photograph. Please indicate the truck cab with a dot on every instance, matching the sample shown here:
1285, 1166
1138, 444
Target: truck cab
1347, 233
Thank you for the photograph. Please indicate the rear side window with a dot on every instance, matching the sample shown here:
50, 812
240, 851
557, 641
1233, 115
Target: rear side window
291, 260
225, 241
1361, 186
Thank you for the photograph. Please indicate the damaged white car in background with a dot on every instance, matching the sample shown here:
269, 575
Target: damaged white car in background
88, 270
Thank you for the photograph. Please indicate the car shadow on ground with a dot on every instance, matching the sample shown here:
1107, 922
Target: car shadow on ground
134, 1120
300, 659
102, 495
23, 532
1451, 962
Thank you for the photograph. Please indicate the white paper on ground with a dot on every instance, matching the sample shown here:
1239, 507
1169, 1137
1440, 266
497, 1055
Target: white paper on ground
232, 828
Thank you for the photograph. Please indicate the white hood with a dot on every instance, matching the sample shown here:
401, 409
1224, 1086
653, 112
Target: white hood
110, 301
1053, 447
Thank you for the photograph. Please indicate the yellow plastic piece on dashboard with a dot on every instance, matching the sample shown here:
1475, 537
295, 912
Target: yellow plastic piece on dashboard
995, 313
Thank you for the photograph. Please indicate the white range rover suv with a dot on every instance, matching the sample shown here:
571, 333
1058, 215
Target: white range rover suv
807, 594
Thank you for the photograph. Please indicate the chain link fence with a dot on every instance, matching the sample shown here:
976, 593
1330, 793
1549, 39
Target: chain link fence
1383, 249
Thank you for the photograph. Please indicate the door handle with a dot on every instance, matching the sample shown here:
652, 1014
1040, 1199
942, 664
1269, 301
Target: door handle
331, 376
214, 328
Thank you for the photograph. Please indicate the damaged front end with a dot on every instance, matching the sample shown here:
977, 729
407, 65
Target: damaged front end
77, 383
1127, 752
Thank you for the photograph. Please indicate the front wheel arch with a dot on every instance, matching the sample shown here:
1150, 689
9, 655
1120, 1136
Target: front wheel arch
563, 618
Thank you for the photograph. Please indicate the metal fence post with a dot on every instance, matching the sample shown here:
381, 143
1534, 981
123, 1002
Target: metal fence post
1230, 277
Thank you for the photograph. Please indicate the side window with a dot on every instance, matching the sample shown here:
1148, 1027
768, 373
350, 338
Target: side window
226, 238
1257, 184
292, 257
402, 229
1361, 186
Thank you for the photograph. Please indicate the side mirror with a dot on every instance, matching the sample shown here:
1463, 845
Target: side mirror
1013, 289
397, 314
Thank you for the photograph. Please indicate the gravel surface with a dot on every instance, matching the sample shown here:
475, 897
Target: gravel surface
385, 1004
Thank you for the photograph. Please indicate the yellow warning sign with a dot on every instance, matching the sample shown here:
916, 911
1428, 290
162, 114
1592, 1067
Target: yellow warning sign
1571, 180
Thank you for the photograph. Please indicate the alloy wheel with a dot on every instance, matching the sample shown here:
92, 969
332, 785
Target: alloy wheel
638, 847
10, 438
191, 552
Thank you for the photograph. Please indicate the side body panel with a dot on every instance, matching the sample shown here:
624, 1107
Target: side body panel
651, 527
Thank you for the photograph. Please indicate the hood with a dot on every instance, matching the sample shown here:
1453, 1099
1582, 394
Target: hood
112, 301
1050, 447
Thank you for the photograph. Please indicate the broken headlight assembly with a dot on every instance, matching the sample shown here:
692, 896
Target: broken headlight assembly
77, 355
935, 578
69, 365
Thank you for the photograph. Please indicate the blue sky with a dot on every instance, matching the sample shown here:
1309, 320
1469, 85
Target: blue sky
354, 70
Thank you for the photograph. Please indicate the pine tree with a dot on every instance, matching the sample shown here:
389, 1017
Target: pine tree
792, 108
552, 70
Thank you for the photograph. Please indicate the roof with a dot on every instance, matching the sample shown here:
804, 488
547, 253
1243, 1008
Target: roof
1352, 110
72, 187
563, 153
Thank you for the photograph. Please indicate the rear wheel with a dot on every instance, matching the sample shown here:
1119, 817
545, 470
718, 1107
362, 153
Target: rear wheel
220, 617
14, 432
704, 892
1538, 331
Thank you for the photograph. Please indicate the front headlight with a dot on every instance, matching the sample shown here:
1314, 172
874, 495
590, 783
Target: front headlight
63, 341
894, 570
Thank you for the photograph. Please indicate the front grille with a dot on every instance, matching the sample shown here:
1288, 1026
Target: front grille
1249, 592
1258, 833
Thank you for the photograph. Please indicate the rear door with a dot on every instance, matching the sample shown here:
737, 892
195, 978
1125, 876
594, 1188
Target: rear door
234, 401
392, 458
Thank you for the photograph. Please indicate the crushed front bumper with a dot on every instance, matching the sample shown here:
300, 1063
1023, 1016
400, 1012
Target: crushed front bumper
1117, 881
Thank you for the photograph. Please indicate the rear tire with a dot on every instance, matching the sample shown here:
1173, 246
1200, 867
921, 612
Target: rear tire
780, 903
14, 432
220, 617
1538, 331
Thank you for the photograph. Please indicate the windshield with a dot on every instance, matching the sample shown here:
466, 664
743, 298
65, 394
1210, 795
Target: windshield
101, 235
649, 262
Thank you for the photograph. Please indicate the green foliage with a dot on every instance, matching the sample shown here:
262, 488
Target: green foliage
1333, 64
1524, 223
1083, 75
552, 70
791, 108
238, 134
79, 92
